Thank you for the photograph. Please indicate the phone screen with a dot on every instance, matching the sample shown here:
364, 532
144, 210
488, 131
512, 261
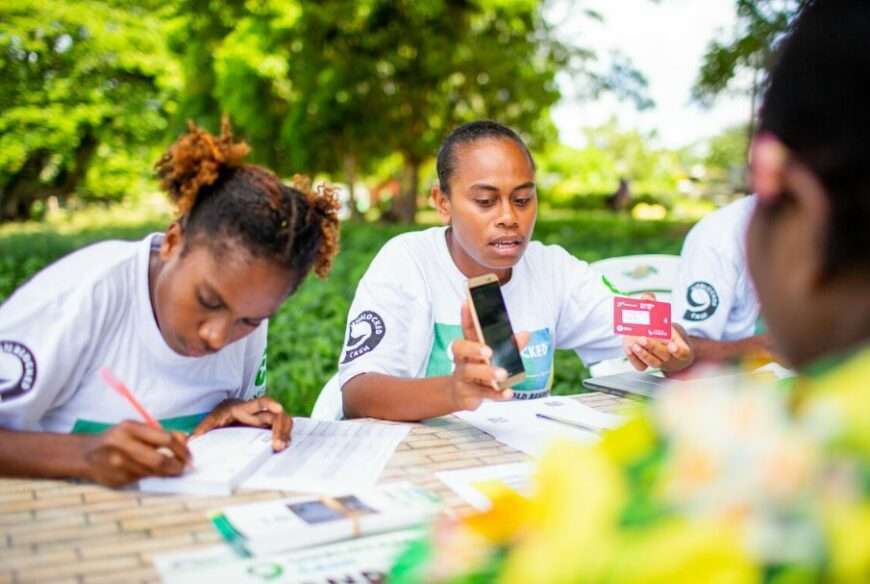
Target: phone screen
496, 327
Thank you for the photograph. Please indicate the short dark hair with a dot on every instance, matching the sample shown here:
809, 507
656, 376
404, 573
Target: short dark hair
466, 134
222, 199
816, 104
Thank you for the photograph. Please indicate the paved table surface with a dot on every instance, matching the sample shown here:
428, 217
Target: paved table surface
66, 531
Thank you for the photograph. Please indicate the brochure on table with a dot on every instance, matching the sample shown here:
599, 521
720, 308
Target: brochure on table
269, 527
364, 560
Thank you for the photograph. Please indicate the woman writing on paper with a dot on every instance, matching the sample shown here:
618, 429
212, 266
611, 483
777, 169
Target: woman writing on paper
180, 317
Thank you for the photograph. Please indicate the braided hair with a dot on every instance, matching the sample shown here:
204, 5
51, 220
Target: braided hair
221, 199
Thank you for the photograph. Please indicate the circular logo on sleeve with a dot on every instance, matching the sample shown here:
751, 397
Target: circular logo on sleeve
17, 369
702, 300
363, 335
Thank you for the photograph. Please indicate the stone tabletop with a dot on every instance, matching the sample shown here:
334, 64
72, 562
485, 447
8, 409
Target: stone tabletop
63, 531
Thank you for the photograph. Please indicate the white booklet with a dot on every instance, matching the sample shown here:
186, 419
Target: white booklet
323, 456
530, 425
270, 527
365, 560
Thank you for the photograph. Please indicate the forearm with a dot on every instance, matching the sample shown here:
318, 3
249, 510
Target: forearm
41, 455
376, 395
707, 350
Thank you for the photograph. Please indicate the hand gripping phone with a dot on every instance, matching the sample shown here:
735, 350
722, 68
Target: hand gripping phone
493, 327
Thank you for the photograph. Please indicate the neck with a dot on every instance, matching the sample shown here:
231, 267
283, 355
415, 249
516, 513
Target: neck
843, 324
468, 266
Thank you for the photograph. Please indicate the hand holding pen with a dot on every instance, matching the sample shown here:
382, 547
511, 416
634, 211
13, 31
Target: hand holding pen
133, 450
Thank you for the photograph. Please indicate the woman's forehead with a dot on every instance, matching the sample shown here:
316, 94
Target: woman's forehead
492, 157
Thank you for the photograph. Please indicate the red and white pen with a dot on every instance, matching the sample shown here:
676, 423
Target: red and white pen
125, 392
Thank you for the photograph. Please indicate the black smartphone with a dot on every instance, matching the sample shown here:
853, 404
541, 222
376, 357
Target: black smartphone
494, 327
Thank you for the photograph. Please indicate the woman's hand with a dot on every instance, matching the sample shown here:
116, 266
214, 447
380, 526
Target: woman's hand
474, 379
130, 451
262, 412
673, 355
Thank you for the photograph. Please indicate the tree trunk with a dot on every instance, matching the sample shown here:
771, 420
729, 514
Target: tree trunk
350, 179
406, 206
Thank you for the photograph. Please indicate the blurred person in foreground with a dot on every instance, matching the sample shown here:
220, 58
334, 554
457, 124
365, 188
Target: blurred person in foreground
743, 481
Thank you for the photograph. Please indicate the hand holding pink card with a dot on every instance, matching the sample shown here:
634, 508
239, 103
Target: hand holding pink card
641, 317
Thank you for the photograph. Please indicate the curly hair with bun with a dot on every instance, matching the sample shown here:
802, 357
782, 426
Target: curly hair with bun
222, 199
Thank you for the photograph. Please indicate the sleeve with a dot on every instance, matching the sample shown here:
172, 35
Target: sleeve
585, 322
45, 350
388, 318
254, 367
706, 283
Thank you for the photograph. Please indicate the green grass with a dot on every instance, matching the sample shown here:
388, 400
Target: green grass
306, 335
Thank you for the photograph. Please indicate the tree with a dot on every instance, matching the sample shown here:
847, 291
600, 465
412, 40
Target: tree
748, 52
86, 90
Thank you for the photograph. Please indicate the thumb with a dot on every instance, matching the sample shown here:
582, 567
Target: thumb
648, 295
522, 339
468, 329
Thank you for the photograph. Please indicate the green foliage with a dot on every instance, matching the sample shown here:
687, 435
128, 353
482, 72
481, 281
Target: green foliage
611, 153
306, 335
760, 25
86, 90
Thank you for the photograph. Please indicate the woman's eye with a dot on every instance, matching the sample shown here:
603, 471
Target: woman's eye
251, 323
485, 202
522, 201
209, 305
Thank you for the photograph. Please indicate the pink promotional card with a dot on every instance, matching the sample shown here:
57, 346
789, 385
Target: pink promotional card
641, 318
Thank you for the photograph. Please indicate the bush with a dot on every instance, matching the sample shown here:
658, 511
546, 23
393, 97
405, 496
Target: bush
306, 335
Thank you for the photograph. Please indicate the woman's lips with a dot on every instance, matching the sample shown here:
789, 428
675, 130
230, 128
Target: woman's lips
507, 246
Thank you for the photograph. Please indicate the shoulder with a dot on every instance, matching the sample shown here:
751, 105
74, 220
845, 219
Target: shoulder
408, 251
100, 269
722, 228
552, 260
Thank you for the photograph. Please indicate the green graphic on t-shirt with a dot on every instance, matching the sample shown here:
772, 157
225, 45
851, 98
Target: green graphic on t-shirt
260, 380
184, 424
537, 357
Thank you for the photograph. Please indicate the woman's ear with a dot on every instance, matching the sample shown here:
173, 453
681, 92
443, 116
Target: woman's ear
811, 210
442, 204
173, 242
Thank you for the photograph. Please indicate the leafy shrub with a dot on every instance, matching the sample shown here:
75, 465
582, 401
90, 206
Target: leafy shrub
306, 335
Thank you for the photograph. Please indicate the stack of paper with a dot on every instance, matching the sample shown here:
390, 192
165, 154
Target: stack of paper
517, 423
323, 457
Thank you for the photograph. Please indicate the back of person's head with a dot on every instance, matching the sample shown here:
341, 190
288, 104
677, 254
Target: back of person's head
815, 103
467, 134
223, 201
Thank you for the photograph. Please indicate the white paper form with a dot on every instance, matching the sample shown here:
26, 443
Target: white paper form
330, 457
516, 424
471, 483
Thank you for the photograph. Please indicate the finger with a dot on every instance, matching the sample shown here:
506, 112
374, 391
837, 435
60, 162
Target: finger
470, 352
645, 356
144, 459
469, 332
159, 438
635, 362
648, 295
657, 349
216, 419
247, 418
482, 374
477, 392
267, 404
522, 339
281, 432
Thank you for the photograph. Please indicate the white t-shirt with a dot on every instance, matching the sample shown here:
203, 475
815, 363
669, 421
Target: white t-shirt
714, 297
406, 311
92, 309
